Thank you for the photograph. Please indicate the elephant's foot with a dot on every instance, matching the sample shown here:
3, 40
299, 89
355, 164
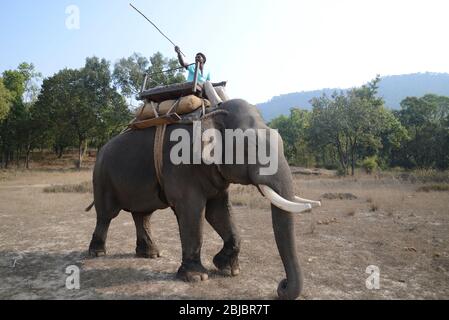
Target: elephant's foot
192, 273
227, 263
147, 250
152, 253
97, 249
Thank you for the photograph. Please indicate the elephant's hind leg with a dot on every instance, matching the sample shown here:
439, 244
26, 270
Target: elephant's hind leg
105, 213
219, 216
145, 246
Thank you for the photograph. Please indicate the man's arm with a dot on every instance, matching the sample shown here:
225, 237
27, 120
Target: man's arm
181, 60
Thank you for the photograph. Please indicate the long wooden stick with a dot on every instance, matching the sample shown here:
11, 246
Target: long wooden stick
154, 25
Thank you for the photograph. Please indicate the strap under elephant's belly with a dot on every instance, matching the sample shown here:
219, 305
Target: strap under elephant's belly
159, 151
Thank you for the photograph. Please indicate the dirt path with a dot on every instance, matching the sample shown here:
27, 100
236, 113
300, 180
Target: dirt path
26, 186
402, 232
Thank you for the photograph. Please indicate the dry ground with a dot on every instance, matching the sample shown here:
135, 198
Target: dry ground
389, 225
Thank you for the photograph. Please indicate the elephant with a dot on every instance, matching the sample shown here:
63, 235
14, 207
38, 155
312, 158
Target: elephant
124, 179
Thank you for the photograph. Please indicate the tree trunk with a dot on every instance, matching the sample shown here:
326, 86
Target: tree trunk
18, 158
86, 147
11, 157
6, 157
80, 155
353, 166
353, 156
27, 159
343, 160
60, 151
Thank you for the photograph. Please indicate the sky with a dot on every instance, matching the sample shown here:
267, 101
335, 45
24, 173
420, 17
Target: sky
263, 48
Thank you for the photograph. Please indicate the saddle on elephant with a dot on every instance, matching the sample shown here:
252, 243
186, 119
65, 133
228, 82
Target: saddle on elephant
164, 105
167, 111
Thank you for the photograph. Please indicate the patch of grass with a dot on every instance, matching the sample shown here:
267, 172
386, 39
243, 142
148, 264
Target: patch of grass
85, 187
351, 213
425, 176
339, 196
248, 196
434, 187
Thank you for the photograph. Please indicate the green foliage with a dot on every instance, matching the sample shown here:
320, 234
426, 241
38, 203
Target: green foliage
81, 105
87, 106
14, 81
294, 133
351, 124
72, 109
427, 123
5, 101
370, 164
129, 73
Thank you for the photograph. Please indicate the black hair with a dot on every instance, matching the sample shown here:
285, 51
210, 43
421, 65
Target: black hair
203, 55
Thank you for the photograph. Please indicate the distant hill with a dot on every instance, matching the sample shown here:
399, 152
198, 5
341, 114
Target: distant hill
392, 88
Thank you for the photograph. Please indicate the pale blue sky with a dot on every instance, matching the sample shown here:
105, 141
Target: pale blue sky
262, 47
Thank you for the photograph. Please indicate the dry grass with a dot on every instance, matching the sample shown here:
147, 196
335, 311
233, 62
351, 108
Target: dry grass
339, 196
351, 212
85, 187
434, 187
248, 196
374, 207
417, 176
407, 238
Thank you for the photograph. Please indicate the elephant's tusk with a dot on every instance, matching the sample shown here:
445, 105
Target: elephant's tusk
312, 202
282, 203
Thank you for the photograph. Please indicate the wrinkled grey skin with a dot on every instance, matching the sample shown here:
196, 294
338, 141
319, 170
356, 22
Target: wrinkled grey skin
125, 179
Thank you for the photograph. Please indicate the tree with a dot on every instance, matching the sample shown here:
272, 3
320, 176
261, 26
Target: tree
393, 135
293, 130
129, 73
10, 133
348, 122
426, 120
31, 84
82, 106
5, 101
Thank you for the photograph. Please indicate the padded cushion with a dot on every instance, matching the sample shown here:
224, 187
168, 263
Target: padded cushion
185, 105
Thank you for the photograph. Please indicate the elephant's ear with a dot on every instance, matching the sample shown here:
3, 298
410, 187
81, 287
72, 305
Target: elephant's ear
214, 120
213, 128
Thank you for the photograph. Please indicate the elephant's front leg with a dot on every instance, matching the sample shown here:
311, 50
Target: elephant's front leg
145, 245
190, 215
219, 215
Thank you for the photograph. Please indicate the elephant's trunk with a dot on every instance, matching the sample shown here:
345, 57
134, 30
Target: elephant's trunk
279, 190
283, 226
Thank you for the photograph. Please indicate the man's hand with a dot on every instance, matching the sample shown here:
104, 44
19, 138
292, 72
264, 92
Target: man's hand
180, 58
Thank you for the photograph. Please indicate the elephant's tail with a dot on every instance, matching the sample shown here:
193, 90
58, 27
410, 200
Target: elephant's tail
90, 207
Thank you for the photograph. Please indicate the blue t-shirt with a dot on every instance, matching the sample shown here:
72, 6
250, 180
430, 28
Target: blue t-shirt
202, 77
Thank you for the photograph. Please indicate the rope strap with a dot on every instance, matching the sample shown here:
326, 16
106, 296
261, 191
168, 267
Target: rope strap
159, 151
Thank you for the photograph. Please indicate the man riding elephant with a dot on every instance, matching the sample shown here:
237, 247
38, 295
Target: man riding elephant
215, 95
125, 178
